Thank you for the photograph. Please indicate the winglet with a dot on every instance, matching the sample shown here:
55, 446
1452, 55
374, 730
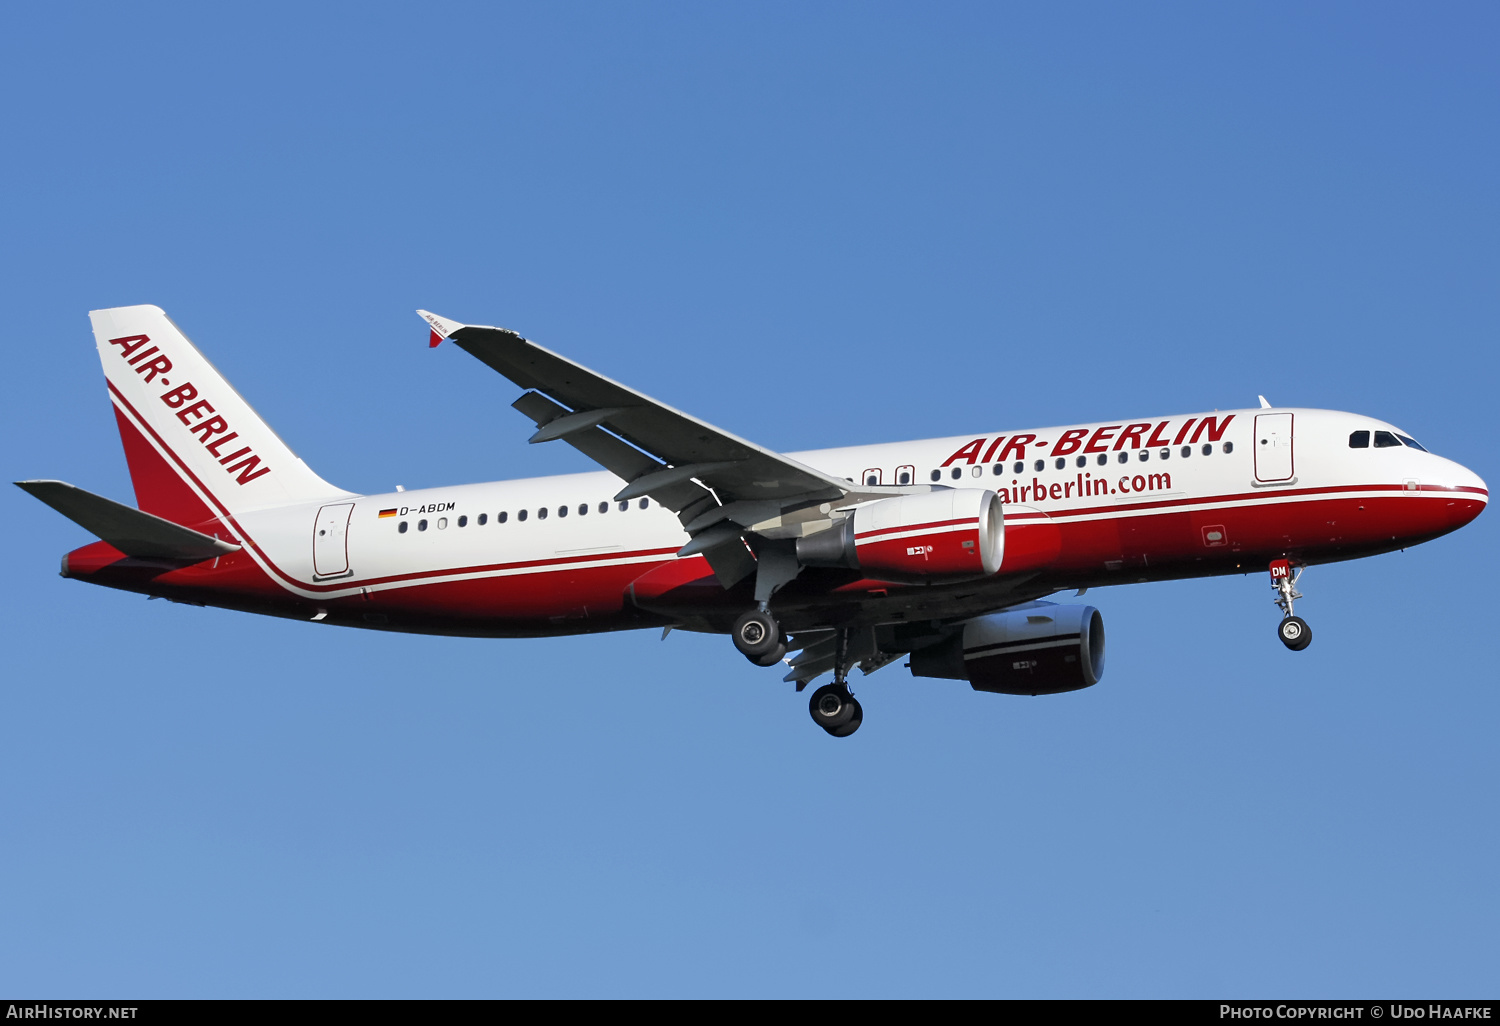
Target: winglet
441, 327
1263, 404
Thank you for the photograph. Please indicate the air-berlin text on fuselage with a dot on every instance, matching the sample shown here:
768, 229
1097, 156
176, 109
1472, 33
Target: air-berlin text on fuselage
1083, 485
197, 414
1098, 440
1109, 438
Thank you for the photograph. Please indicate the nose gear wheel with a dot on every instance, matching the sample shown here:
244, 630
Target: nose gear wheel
1294, 633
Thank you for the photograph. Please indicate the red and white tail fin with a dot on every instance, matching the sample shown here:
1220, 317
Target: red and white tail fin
196, 450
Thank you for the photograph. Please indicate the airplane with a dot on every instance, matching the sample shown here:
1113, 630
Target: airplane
943, 551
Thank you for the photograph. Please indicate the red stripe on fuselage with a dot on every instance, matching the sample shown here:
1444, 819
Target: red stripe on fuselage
1256, 498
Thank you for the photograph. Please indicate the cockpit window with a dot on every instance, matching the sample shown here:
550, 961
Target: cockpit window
1359, 439
1411, 442
1386, 440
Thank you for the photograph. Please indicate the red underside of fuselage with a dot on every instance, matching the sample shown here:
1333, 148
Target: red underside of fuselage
554, 597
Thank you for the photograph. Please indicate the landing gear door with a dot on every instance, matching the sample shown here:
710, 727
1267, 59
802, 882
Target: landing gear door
1273, 447
331, 541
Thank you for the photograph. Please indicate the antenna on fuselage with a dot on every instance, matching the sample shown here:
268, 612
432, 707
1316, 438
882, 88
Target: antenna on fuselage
1263, 404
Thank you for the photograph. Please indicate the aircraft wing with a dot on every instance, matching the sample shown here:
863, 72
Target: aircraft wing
685, 447
722, 487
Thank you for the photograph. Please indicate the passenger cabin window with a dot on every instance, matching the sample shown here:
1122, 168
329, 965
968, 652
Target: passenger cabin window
1102, 459
401, 527
603, 507
645, 503
872, 476
1411, 442
1208, 450
1040, 466
1145, 455
1228, 447
520, 515
1187, 450
1386, 440
463, 521
1359, 439
624, 505
421, 525
957, 472
583, 509
1083, 461
937, 475
1165, 454
541, 514
906, 475
1123, 457
1020, 466
484, 518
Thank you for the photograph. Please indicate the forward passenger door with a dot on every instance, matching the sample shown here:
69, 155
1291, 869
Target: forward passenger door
1273, 447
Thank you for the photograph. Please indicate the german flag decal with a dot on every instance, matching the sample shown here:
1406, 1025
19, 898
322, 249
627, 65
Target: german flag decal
387, 513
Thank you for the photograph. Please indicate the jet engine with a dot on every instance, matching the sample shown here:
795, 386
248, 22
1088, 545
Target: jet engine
1040, 649
946, 535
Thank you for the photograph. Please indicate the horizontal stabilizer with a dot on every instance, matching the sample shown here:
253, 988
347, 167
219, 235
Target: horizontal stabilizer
126, 528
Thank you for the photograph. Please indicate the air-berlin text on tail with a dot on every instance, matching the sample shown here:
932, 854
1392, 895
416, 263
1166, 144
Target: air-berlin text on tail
1090, 440
196, 414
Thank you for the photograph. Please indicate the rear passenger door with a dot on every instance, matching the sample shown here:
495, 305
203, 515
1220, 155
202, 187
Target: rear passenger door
331, 541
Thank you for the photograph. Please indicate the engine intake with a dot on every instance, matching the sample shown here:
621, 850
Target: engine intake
951, 534
1041, 650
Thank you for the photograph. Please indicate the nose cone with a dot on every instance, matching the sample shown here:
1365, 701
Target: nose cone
1467, 495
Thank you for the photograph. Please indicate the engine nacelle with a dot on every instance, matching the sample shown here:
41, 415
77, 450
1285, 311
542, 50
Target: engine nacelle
1043, 650
945, 535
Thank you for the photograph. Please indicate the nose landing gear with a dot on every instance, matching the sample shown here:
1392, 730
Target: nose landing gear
1293, 631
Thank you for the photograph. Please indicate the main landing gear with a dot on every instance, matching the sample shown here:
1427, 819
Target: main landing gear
1293, 631
758, 637
833, 707
836, 710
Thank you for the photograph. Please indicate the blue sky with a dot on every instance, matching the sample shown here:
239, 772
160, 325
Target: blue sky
812, 225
